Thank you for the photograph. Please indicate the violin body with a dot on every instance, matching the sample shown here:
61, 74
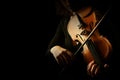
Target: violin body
102, 46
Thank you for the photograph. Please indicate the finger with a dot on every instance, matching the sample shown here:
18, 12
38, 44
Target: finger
68, 58
65, 57
93, 68
97, 70
89, 67
60, 60
69, 53
106, 66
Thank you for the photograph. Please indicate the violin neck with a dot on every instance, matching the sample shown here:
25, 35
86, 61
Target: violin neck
94, 52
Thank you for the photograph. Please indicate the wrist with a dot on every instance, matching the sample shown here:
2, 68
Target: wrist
57, 50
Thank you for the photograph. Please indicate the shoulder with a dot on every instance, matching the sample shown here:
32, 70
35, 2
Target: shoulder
65, 18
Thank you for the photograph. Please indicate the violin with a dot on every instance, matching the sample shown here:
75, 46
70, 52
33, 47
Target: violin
95, 46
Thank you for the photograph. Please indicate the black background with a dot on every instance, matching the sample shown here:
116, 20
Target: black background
28, 27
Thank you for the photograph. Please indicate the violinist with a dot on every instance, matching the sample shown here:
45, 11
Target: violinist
71, 33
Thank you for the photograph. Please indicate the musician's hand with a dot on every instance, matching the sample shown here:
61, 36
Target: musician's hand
94, 69
65, 58
62, 55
